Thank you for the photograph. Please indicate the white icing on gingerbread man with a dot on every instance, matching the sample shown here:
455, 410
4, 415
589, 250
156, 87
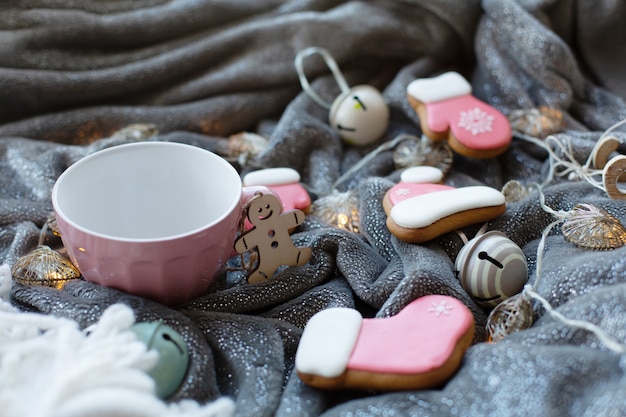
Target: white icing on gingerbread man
270, 236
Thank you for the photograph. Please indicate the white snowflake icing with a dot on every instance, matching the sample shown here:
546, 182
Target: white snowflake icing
403, 191
440, 308
476, 121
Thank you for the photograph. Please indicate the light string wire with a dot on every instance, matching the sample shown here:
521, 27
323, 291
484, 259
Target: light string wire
568, 166
480, 232
581, 324
529, 291
386, 146
332, 66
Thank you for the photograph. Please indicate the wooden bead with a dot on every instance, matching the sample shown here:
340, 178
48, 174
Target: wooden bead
602, 150
611, 177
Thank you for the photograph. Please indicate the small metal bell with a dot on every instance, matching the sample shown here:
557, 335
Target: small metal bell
171, 369
491, 268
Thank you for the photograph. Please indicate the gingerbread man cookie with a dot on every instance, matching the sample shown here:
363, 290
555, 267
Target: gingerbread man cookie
270, 237
420, 347
447, 110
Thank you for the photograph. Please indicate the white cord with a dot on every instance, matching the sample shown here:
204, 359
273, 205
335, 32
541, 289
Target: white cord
567, 165
530, 291
332, 65
581, 324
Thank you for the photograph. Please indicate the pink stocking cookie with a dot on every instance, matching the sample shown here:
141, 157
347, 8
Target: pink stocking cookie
420, 347
448, 110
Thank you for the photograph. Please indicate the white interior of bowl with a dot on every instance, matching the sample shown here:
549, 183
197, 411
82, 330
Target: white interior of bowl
147, 190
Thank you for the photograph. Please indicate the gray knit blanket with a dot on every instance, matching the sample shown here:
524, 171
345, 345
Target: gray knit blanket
74, 74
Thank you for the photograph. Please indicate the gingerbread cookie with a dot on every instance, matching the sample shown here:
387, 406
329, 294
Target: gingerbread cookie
448, 111
420, 347
431, 214
414, 181
285, 182
270, 237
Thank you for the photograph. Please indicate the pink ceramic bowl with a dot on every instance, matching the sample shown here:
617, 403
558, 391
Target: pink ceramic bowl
155, 219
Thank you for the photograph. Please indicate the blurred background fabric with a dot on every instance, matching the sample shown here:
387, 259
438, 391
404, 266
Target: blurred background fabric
75, 75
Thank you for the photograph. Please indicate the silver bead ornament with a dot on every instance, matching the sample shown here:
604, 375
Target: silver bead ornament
537, 122
171, 369
510, 316
46, 267
491, 268
422, 151
591, 227
360, 115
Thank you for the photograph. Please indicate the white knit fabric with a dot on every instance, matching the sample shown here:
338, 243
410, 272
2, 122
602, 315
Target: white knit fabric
51, 368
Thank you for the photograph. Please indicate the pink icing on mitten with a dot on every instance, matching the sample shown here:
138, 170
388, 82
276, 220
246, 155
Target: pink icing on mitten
448, 110
420, 347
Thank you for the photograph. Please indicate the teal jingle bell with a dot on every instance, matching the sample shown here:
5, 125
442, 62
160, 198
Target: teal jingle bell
170, 370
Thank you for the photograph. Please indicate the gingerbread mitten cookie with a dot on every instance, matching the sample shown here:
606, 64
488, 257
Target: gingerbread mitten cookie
448, 111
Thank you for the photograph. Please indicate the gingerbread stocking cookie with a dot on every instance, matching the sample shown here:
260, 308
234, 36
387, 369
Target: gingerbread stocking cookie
420, 347
448, 111
270, 237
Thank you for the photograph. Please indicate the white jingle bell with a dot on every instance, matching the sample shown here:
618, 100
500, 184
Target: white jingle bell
359, 114
491, 268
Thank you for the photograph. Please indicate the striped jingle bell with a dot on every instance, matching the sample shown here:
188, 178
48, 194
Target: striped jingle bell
491, 268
